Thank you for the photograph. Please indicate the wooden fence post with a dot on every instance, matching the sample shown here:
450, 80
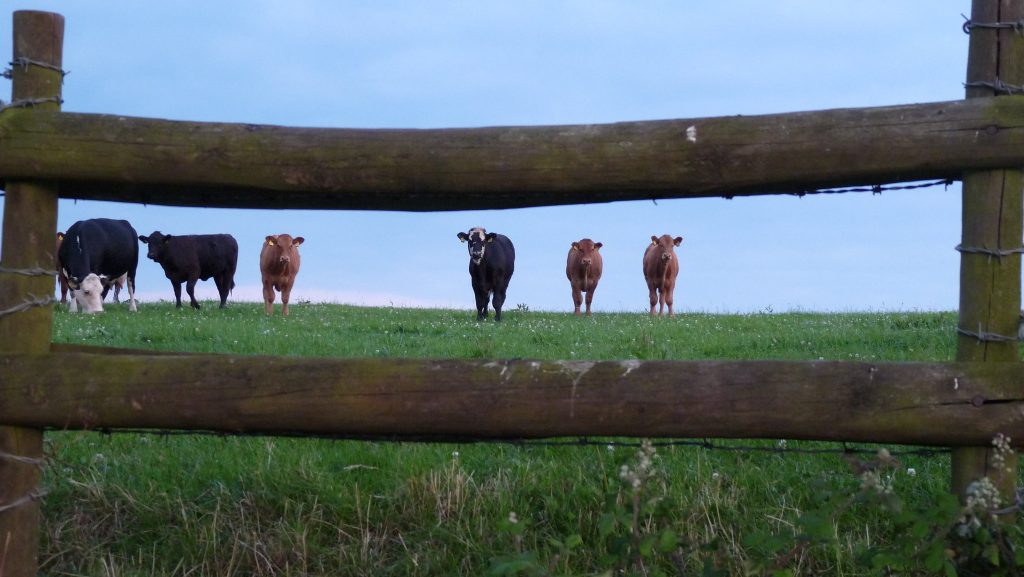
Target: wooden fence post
29, 226
990, 287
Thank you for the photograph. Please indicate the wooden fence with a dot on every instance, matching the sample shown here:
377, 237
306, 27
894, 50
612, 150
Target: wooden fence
45, 153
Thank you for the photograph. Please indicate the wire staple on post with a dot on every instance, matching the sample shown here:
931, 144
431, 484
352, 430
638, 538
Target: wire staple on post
22, 501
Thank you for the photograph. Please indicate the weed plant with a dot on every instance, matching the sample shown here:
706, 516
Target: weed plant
153, 504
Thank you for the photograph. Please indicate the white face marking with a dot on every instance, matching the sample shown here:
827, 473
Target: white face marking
89, 295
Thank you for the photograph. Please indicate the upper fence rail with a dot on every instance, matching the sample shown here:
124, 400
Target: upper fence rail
152, 161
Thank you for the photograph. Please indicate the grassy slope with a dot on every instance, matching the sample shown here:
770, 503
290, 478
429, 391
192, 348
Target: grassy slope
184, 505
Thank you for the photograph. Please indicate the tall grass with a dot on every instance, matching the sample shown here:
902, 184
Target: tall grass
150, 504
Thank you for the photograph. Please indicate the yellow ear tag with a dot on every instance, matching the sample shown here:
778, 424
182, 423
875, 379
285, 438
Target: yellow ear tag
270, 242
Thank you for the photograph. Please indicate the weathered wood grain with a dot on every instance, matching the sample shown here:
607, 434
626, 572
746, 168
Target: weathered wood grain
990, 287
912, 403
29, 224
240, 165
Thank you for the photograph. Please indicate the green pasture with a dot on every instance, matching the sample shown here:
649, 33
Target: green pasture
155, 504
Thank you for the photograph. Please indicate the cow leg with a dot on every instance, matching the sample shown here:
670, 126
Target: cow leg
73, 303
190, 286
669, 297
654, 297
177, 293
268, 297
577, 298
117, 293
499, 301
223, 288
481, 303
130, 283
286, 294
590, 299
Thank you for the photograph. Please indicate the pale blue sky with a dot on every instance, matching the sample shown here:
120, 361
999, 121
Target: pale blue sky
478, 63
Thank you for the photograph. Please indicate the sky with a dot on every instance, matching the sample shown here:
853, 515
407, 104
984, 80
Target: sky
438, 64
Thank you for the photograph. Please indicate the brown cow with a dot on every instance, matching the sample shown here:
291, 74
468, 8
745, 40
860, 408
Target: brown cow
660, 269
279, 263
583, 268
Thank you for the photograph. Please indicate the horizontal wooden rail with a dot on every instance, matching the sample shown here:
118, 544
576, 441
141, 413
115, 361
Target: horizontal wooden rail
253, 166
943, 404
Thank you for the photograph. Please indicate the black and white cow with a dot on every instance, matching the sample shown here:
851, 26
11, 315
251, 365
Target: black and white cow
188, 258
93, 255
492, 260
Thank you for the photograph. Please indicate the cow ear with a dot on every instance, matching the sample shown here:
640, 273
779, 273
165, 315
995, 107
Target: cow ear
298, 240
463, 236
144, 239
654, 239
166, 238
271, 240
575, 245
491, 236
598, 245
677, 240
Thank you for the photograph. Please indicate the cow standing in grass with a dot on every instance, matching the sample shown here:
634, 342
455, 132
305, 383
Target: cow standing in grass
661, 266
492, 260
189, 258
583, 267
279, 263
93, 255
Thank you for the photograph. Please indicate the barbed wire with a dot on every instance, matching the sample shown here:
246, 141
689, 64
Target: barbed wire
969, 25
779, 446
34, 271
25, 500
877, 188
37, 461
996, 252
987, 337
997, 86
28, 304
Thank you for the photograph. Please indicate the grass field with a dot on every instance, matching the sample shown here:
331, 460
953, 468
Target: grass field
150, 504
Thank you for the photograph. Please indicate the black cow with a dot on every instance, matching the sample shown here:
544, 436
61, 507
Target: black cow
93, 255
188, 258
492, 259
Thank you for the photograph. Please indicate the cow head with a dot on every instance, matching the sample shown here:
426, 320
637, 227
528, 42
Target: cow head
666, 244
588, 248
286, 245
478, 240
87, 294
157, 242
